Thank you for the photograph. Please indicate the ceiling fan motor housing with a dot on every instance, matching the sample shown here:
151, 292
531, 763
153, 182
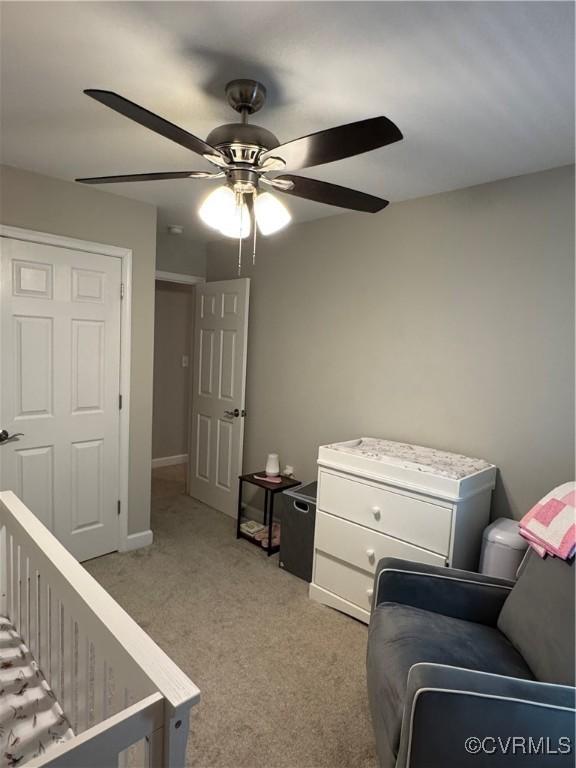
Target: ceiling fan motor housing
242, 144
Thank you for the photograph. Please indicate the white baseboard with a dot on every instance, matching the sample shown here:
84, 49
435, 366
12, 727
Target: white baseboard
137, 540
168, 461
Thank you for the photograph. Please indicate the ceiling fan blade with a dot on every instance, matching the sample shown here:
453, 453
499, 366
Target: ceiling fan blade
206, 175
336, 143
152, 122
151, 177
332, 194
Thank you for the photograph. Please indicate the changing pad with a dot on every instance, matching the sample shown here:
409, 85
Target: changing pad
439, 473
451, 465
31, 720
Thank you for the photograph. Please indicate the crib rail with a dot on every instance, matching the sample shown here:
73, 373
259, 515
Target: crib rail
98, 661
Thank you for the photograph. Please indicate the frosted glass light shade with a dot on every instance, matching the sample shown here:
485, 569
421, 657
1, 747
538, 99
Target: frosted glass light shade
237, 223
217, 207
220, 211
271, 214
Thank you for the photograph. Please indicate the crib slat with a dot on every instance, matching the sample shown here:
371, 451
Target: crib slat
32, 609
95, 686
49, 635
28, 586
43, 657
37, 612
9, 575
66, 660
114, 692
17, 619
81, 678
75, 673
3, 572
56, 667
24, 629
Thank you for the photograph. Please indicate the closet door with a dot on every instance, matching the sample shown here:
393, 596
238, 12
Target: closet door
59, 381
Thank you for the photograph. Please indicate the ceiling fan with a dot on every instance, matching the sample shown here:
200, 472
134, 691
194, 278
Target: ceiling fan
244, 154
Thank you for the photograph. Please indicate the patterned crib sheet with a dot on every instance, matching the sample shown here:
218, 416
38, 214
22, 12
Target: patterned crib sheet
31, 720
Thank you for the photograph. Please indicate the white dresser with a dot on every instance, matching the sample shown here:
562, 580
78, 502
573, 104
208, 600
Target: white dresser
378, 498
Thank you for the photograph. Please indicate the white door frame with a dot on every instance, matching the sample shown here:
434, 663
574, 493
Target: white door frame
125, 255
178, 277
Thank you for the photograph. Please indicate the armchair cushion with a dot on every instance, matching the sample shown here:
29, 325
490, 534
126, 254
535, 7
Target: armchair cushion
538, 617
449, 591
446, 708
403, 635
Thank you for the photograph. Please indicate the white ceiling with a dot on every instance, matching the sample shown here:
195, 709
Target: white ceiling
481, 91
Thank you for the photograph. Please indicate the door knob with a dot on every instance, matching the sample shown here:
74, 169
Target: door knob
5, 436
232, 414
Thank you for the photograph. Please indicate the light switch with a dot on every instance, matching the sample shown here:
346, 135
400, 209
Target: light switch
185, 361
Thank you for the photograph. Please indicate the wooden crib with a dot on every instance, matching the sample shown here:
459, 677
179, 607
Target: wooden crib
128, 704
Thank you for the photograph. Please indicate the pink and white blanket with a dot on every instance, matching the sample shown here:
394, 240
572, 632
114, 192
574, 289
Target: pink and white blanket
550, 526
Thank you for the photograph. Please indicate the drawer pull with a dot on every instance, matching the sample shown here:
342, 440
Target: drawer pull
370, 554
376, 511
370, 592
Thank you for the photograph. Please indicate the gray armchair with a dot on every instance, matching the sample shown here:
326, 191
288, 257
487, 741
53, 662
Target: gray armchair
469, 670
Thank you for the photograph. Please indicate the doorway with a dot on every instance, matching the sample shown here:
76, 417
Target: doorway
173, 337
200, 350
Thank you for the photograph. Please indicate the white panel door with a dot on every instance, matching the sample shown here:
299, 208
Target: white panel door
59, 379
219, 383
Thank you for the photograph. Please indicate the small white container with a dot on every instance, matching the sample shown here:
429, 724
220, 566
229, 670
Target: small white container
502, 549
273, 465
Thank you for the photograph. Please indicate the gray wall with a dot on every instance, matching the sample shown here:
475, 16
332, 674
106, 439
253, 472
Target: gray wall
175, 253
446, 321
173, 317
45, 204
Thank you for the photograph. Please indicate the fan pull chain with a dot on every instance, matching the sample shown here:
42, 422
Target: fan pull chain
239, 202
239, 256
254, 195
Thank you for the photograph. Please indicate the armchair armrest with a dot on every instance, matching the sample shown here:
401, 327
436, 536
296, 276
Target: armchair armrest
460, 594
455, 716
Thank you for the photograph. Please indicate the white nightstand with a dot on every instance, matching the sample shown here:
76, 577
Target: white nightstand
378, 498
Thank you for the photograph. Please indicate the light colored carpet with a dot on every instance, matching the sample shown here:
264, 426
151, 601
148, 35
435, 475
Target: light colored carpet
282, 678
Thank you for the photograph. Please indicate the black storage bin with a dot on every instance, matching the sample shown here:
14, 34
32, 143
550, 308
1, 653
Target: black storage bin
297, 538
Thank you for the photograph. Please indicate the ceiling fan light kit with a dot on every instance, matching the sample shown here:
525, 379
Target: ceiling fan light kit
244, 154
226, 211
271, 214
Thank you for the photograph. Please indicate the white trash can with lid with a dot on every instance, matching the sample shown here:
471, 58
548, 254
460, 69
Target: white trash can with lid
502, 549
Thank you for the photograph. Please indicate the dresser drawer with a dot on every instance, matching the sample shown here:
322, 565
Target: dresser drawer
404, 517
343, 580
364, 548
